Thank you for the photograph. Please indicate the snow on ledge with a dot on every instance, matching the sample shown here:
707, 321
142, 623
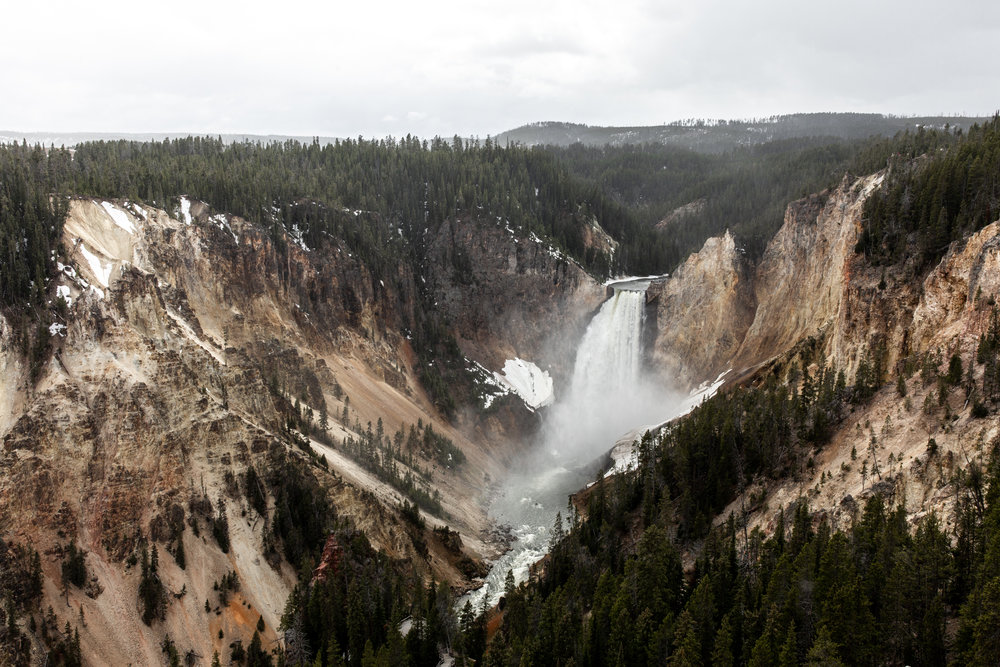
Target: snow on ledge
633, 279
119, 217
186, 210
102, 272
528, 381
705, 391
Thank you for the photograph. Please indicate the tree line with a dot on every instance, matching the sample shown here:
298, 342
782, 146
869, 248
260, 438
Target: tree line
940, 187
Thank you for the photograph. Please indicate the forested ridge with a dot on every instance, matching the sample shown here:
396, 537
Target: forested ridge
30, 222
409, 185
877, 591
744, 190
716, 136
951, 191
380, 196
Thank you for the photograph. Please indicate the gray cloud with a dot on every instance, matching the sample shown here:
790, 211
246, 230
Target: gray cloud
477, 67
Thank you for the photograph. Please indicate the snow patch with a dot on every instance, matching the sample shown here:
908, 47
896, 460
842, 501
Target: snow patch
528, 381
101, 272
63, 291
297, 235
186, 210
56, 329
703, 392
220, 221
625, 455
492, 388
624, 281
551, 250
119, 217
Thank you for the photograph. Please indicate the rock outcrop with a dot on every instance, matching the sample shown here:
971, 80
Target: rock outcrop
702, 313
508, 297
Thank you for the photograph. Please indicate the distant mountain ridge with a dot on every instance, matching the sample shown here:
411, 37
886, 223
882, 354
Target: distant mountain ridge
69, 139
716, 136
702, 135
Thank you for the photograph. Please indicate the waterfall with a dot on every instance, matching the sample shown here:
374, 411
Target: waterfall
608, 358
603, 402
605, 399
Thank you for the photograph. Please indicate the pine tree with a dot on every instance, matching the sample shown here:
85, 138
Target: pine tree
823, 652
687, 650
179, 556
766, 649
789, 652
722, 649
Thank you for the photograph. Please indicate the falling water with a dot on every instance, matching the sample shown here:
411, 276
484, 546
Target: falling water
606, 398
608, 358
601, 403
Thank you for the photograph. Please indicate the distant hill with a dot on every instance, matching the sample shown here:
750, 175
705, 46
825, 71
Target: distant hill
69, 139
715, 136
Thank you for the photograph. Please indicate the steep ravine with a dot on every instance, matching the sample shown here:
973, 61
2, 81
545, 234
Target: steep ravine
184, 343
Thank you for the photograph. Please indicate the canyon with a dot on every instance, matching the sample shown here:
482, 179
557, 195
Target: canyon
193, 350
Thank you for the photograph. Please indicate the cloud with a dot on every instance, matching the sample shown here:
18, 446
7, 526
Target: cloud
479, 67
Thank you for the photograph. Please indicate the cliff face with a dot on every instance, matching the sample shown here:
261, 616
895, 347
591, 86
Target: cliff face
509, 297
718, 313
184, 345
702, 313
801, 281
812, 300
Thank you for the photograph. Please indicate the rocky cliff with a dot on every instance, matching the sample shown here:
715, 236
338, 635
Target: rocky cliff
702, 313
193, 353
813, 301
510, 297
717, 312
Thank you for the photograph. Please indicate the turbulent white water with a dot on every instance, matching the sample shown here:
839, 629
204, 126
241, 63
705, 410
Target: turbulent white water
606, 398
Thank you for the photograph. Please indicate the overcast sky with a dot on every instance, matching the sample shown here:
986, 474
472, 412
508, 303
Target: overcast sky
476, 67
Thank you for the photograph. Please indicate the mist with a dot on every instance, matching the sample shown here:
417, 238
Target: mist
609, 395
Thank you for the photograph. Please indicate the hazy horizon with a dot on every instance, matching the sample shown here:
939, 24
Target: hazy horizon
448, 68
85, 135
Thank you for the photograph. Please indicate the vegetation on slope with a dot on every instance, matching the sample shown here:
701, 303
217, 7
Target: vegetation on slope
880, 591
926, 203
744, 190
30, 222
380, 198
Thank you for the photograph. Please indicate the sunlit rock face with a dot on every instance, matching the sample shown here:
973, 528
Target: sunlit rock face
701, 314
719, 312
